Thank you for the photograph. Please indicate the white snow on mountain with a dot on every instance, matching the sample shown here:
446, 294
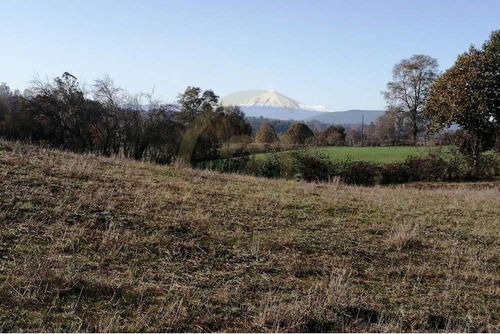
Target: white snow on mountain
274, 99
271, 99
315, 108
271, 104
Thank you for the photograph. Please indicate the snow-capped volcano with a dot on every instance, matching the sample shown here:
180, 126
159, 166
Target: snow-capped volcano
271, 99
271, 104
274, 99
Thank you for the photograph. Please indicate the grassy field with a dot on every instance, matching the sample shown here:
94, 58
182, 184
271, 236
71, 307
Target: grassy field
376, 154
103, 244
373, 154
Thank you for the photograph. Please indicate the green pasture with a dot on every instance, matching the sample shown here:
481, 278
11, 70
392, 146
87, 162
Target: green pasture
373, 154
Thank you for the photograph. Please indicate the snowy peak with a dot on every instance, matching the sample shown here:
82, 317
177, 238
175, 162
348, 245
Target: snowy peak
277, 100
316, 108
271, 104
271, 99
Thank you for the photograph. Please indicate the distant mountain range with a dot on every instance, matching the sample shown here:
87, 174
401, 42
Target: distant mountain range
271, 104
348, 117
283, 114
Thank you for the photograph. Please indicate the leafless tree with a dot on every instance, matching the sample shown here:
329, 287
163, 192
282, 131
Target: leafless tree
407, 94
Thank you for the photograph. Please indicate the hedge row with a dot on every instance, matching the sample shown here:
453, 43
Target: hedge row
314, 167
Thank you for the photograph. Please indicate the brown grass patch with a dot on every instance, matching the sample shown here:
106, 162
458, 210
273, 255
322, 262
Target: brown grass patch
104, 244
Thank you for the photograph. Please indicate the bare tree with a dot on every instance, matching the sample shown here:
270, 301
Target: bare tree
106, 92
112, 98
407, 94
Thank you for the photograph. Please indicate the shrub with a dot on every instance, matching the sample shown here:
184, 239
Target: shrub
436, 167
311, 166
236, 164
393, 173
270, 167
458, 166
488, 166
358, 172
429, 168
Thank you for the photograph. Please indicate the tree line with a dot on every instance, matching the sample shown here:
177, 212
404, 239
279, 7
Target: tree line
466, 95
104, 119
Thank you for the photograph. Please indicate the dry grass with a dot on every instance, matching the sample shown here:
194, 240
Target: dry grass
405, 236
97, 244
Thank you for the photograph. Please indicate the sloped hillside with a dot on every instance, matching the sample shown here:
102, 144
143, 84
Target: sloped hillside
101, 244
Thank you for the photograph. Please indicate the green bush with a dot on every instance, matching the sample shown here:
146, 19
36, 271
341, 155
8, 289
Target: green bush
358, 172
428, 168
312, 166
270, 167
459, 167
488, 166
232, 165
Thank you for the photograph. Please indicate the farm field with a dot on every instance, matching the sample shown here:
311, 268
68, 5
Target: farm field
105, 244
373, 154
376, 154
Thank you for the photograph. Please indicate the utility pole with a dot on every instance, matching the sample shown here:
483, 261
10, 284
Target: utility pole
362, 130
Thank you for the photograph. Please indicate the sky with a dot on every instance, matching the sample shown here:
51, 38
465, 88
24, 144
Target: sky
333, 53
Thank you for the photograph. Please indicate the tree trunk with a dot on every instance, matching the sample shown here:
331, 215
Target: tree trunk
476, 151
415, 133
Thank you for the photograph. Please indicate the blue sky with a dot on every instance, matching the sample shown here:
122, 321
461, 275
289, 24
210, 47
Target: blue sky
335, 53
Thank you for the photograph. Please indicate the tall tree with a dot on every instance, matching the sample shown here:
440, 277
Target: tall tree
208, 125
67, 117
266, 134
298, 134
468, 94
194, 101
407, 94
335, 135
112, 98
5, 95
